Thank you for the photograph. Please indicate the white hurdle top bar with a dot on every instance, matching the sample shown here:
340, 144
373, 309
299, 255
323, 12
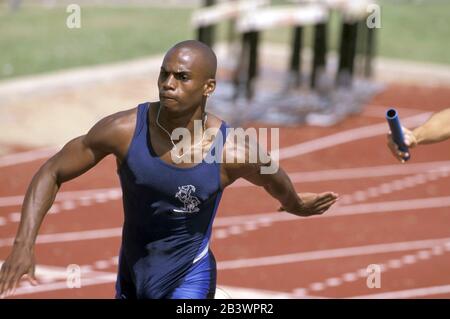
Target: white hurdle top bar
226, 10
351, 9
280, 16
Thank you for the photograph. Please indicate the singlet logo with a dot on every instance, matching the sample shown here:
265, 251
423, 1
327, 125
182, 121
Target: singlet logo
190, 202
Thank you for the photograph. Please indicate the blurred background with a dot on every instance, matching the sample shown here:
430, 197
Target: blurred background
36, 43
35, 39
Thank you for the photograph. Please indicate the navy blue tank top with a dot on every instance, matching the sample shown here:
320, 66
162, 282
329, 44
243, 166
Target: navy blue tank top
168, 212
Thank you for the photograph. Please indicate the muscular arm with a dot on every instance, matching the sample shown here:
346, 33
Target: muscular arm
280, 187
75, 158
436, 129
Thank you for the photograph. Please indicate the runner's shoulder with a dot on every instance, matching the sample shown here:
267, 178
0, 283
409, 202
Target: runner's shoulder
213, 121
113, 129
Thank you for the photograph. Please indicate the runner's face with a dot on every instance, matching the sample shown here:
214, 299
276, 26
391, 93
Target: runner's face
182, 81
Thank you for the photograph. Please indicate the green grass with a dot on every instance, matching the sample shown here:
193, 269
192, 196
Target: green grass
36, 40
416, 31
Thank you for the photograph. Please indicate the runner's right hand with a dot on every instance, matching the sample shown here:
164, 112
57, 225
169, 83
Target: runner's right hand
21, 262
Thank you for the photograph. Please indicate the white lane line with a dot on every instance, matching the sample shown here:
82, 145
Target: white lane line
222, 292
349, 277
317, 286
346, 136
391, 206
68, 205
366, 172
71, 236
345, 201
103, 264
29, 156
380, 207
97, 280
287, 152
409, 259
439, 167
409, 293
263, 261
14, 217
330, 254
227, 292
338, 211
55, 209
394, 263
111, 193
437, 251
384, 188
333, 282
52, 278
379, 111
47, 275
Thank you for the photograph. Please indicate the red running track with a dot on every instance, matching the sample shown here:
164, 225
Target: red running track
391, 215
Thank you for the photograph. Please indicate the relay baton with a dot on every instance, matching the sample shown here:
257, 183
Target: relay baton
396, 130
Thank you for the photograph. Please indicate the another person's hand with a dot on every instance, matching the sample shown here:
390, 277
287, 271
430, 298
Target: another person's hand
312, 204
19, 263
409, 139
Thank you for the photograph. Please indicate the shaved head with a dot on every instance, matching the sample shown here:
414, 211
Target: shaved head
202, 56
187, 77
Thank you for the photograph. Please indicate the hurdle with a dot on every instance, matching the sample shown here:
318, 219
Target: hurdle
205, 19
366, 48
319, 93
357, 40
353, 34
206, 33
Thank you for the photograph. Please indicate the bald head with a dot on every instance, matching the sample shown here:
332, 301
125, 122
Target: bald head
200, 56
187, 76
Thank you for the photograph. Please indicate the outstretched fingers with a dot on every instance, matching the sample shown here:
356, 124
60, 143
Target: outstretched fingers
326, 197
11, 281
31, 276
4, 280
324, 207
325, 201
14, 282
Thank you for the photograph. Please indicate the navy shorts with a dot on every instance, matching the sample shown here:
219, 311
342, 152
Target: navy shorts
199, 283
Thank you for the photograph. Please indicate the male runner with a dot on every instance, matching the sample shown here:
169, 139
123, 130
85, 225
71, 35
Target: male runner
168, 207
